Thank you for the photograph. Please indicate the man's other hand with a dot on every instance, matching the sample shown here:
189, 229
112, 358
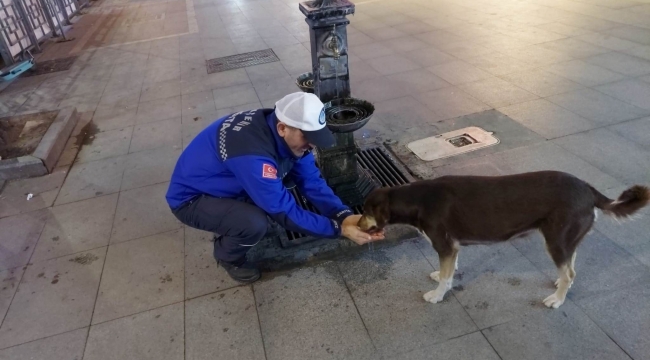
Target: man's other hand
350, 230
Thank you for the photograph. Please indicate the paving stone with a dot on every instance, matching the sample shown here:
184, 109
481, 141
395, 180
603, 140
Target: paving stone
149, 167
635, 130
266, 72
632, 91
428, 56
157, 110
449, 103
309, 313
9, 280
110, 117
547, 119
143, 212
231, 315
160, 90
497, 93
273, 90
621, 63
608, 41
459, 72
155, 334
611, 153
631, 33
140, 275
54, 297
597, 107
92, 179
197, 103
470, 347
541, 83
105, 144
76, 227
20, 234
575, 48
234, 96
565, 333
44, 190
601, 265
66, 346
202, 273
420, 80
387, 287
166, 133
624, 316
372, 50
401, 113
498, 64
379, 89
406, 44
392, 64
584, 73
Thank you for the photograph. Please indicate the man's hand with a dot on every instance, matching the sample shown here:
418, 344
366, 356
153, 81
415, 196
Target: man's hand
350, 230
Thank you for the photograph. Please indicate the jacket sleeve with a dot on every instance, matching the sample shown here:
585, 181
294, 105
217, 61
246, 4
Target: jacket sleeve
258, 176
307, 177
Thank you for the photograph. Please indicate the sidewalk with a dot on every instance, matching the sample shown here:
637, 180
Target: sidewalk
95, 266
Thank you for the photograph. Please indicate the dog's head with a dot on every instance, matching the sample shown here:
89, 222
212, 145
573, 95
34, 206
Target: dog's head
376, 211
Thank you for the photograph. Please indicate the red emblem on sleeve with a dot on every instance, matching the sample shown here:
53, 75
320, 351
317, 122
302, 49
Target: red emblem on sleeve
269, 172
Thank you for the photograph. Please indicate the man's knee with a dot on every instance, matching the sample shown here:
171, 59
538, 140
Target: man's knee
256, 226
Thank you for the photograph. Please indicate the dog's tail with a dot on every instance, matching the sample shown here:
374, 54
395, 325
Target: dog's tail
628, 203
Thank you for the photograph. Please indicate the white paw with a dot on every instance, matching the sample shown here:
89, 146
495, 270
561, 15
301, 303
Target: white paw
433, 296
557, 284
553, 301
435, 276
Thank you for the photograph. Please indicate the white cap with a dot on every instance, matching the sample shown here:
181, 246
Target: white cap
306, 112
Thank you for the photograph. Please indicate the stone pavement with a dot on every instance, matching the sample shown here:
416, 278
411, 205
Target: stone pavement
95, 266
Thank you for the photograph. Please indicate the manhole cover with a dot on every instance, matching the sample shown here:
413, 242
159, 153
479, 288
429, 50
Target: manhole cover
241, 60
21, 134
452, 143
50, 66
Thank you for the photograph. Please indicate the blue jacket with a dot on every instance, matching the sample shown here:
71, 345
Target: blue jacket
242, 156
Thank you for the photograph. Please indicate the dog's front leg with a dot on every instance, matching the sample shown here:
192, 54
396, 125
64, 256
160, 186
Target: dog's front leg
445, 277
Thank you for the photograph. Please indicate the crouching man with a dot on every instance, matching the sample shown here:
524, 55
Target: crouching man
231, 177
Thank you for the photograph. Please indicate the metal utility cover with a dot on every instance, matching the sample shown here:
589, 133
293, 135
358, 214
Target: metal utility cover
241, 60
452, 143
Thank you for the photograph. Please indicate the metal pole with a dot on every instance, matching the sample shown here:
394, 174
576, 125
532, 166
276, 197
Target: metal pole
27, 24
63, 11
48, 15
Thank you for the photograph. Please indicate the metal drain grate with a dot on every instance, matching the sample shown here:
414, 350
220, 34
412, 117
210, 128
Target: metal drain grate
51, 66
241, 60
378, 162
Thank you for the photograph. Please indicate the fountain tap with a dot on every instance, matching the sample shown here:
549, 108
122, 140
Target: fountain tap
333, 44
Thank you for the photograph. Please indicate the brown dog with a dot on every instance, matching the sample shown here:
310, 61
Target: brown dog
454, 211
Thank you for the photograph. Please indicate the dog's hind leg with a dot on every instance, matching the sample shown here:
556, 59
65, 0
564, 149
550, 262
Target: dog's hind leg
562, 239
448, 255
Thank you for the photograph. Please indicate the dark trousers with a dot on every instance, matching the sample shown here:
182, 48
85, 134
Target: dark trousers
240, 225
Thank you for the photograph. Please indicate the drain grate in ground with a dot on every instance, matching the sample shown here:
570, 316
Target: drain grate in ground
378, 162
241, 60
51, 66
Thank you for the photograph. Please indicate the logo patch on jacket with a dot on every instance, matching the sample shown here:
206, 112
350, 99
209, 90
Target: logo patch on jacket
269, 172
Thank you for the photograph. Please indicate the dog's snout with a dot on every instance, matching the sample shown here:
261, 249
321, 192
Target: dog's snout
367, 223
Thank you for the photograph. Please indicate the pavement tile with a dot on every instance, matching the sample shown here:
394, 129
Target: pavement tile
20, 234
156, 334
140, 275
566, 333
223, 325
387, 287
54, 297
143, 212
76, 227
92, 179
202, 273
597, 107
65, 346
547, 119
309, 313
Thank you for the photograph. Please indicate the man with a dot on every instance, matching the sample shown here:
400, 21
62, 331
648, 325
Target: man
231, 175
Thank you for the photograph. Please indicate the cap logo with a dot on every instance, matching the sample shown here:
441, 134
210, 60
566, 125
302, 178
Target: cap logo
321, 118
269, 172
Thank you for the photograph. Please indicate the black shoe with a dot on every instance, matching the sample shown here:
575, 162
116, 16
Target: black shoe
245, 273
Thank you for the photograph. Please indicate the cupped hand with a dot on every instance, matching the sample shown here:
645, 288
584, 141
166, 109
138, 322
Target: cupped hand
350, 230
